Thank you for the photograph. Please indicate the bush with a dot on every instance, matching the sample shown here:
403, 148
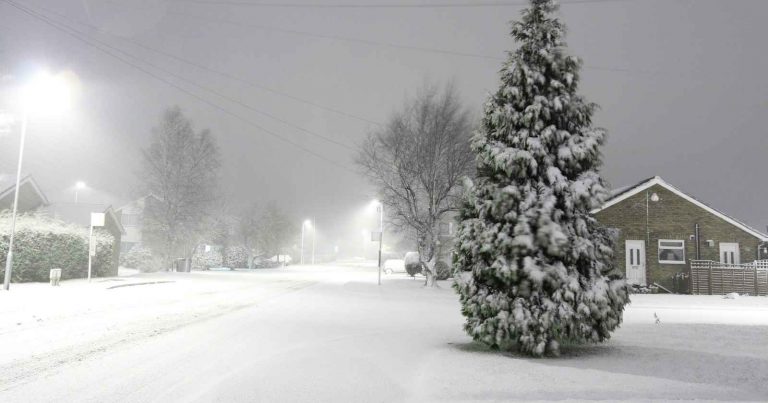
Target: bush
413, 265
443, 270
43, 243
141, 258
236, 257
202, 260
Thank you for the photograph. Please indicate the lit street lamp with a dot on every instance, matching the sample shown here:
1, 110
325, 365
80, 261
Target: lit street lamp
45, 93
380, 210
304, 225
80, 185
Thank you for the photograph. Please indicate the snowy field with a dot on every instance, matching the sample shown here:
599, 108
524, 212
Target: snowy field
331, 334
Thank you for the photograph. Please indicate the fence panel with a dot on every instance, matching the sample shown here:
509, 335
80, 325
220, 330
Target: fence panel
715, 278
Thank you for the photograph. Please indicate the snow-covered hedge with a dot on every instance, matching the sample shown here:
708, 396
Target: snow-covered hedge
141, 259
43, 243
203, 260
236, 257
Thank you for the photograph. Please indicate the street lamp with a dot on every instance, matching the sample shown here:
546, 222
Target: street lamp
80, 185
45, 94
304, 225
380, 208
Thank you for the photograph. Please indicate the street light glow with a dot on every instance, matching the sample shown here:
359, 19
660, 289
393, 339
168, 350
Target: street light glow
46, 93
80, 185
308, 223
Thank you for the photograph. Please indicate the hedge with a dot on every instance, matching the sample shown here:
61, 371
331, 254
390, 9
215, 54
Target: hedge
43, 243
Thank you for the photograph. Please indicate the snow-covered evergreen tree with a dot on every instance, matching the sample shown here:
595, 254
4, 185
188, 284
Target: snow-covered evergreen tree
536, 268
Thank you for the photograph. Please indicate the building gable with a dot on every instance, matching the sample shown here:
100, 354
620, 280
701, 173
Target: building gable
628, 193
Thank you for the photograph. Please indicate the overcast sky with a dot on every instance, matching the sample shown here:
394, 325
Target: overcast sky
681, 85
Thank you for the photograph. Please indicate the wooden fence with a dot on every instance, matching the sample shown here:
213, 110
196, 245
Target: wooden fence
715, 278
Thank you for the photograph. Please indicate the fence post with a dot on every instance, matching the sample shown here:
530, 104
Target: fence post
709, 265
757, 287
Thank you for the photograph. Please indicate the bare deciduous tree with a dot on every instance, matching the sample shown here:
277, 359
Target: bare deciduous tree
417, 162
181, 168
274, 230
248, 230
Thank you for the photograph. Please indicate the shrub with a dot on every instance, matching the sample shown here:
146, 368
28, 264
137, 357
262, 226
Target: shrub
43, 243
413, 265
202, 260
443, 270
141, 258
236, 257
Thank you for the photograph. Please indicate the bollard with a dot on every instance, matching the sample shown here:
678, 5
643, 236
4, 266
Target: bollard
55, 277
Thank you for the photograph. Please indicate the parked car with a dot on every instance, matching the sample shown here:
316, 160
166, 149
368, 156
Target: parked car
394, 266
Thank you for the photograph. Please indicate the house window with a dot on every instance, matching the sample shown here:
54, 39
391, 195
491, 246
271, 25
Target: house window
130, 220
671, 251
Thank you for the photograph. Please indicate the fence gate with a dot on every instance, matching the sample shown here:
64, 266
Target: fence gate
715, 278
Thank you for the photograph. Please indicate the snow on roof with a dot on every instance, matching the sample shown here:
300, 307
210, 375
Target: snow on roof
80, 213
623, 193
8, 185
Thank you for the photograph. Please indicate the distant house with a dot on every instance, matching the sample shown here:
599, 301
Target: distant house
30, 196
32, 199
132, 218
661, 229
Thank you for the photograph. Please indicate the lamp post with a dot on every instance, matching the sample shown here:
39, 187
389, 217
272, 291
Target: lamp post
380, 210
80, 185
44, 93
9, 258
314, 236
304, 225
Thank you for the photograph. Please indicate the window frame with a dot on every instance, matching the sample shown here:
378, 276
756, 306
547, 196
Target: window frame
659, 248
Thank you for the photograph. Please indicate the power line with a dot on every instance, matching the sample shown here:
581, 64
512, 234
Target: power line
476, 4
220, 73
337, 38
73, 33
217, 93
387, 44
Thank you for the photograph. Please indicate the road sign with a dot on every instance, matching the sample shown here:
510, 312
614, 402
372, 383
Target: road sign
97, 219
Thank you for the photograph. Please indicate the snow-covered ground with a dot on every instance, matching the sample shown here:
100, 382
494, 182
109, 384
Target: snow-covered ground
332, 334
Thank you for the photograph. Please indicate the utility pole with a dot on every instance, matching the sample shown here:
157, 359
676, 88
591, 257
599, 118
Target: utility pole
381, 235
314, 236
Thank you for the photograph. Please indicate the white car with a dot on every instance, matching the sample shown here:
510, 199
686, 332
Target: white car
394, 266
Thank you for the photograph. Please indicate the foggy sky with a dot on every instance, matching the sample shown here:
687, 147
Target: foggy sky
681, 85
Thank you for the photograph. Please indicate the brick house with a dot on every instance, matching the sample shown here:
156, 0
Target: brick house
661, 229
132, 218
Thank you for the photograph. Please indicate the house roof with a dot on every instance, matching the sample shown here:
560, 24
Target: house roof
30, 195
80, 213
624, 193
137, 201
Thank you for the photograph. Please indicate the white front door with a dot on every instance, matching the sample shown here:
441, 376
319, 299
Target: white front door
635, 253
729, 253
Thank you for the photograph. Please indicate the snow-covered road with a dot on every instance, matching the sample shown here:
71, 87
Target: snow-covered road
331, 334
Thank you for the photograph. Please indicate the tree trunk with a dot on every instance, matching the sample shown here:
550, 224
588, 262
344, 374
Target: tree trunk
428, 257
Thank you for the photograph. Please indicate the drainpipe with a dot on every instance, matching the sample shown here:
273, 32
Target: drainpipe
697, 236
647, 229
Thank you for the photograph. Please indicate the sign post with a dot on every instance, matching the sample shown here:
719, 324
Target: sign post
97, 220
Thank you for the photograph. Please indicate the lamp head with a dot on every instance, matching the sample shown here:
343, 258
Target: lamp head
46, 93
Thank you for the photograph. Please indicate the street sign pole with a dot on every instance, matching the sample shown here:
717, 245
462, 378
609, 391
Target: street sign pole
90, 252
97, 220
